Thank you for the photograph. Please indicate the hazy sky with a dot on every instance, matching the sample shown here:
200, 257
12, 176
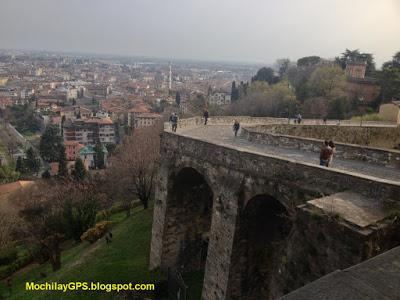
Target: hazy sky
231, 30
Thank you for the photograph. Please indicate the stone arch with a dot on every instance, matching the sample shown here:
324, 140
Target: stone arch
254, 187
188, 220
258, 249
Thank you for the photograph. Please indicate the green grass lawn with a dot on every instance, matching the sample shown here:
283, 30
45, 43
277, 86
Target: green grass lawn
124, 260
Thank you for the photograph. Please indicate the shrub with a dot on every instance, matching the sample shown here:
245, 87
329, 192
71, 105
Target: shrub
13, 259
95, 233
8, 255
5, 271
368, 117
116, 208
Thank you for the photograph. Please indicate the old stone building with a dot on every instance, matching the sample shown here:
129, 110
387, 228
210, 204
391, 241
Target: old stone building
358, 85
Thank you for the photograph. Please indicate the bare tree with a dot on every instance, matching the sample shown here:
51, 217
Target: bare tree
52, 211
133, 167
41, 215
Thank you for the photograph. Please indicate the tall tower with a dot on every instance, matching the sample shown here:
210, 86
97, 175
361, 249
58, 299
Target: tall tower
170, 76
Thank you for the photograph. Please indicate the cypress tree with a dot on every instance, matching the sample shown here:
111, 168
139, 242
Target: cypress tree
79, 171
99, 156
32, 161
178, 98
62, 162
20, 165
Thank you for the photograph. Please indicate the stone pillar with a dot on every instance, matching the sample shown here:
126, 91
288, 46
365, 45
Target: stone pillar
216, 276
159, 217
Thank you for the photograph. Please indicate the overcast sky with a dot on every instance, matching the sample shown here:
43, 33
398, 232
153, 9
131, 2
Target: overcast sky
230, 30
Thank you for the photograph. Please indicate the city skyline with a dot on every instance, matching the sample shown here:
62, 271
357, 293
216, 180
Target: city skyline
230, 31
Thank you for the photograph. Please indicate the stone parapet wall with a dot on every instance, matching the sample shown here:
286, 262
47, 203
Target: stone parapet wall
385, 157
294, 174
226, 120
387, 137
247, 120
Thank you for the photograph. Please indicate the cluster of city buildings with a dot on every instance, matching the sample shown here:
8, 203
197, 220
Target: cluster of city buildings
96, 100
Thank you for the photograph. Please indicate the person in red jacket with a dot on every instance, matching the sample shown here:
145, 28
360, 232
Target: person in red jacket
325, 154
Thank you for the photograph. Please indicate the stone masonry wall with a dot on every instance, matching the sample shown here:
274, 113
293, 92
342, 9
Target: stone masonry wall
320, 244
389, 158
372, 136
247, 120
235, 177
290, 173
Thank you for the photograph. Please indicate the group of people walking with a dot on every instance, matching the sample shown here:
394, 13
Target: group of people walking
174, 119
328, 149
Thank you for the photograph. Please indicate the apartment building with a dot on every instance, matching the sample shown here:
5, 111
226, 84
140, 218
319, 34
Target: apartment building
90, 131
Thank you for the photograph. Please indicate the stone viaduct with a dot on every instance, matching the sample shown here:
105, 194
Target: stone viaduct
262, 220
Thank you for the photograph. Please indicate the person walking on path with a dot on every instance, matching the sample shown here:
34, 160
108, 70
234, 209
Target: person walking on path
205, 116
325, 154
170, 119
333, 151
236, 127
174, 121
299, 119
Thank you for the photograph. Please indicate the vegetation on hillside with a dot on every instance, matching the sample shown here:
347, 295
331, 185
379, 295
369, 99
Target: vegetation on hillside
23, 118
123, 260
312, 86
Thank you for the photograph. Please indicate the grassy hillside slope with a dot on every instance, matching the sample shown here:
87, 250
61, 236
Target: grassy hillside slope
123, 260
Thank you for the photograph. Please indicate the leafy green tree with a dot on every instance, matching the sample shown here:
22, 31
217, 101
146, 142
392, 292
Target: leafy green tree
357, 56
79, 172
50, 144
80, 209
308, 61
264, 100
338, 108
327, 81
23, 118
389, 79
19, 167
283, 65
267, 75
327, 85
8, 175
99, 156
299, 75
111, 148
178, 98
32, 161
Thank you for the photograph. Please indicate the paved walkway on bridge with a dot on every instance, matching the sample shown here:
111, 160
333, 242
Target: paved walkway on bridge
223, 135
